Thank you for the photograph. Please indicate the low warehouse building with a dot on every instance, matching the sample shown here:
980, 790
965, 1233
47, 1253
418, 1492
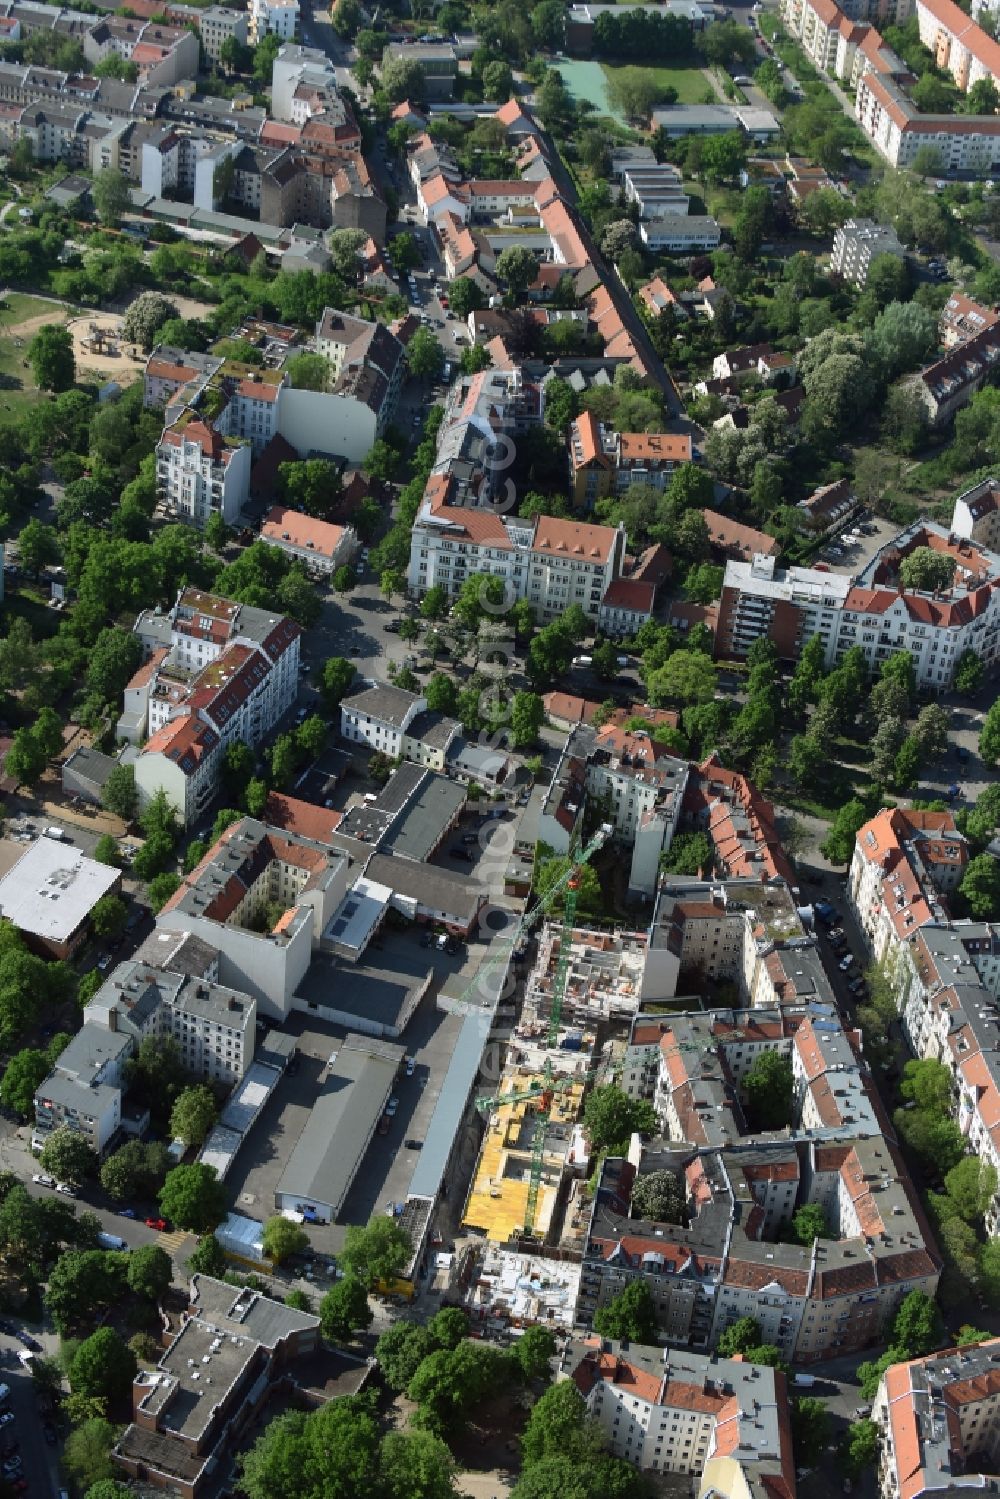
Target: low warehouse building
355, 1090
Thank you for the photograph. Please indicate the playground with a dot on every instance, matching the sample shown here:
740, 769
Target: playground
100, 350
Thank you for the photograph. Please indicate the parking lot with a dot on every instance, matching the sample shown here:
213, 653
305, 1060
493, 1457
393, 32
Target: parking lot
857, 552
23, 1438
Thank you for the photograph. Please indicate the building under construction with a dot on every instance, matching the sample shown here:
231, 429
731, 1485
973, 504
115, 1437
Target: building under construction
498, 1204
603, 976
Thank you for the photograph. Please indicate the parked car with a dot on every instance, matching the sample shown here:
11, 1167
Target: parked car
6, 1417
411, 1066
159, 1224
463, 854
66, 1189
414, 1144
41, 1180
126, 1212
846, 963
392, 1106
451, 947
29, 1342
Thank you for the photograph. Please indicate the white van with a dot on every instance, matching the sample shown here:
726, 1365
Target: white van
57, 834
583, 660
111, 1241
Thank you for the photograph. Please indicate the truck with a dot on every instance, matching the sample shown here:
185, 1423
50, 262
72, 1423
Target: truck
111, 1241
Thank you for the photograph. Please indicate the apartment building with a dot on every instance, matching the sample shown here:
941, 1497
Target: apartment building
844, 40
552, 563
604, 462
960, 46
721, 1421
905, 862
437, 61
163, 55
950, 382
857, 243
216, 671
399, 724
319, 545
175, 995
937, 1421
234, 1349
278, 18
216, 24
730, 538
262, 898
976, 515
872, 611
728, 1262
897, 129
961, 318
202, 472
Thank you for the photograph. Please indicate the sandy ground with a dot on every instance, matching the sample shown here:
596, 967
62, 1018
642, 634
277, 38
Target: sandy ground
490, 1485
123, 366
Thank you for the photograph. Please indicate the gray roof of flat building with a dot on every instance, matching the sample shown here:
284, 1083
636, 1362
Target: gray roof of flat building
178, 952
446, 1120
90, 1049
456, 895
88, 1099
277, 1048
404, 782
356, 1085
419, 827
378, 989
477, 758
90, 763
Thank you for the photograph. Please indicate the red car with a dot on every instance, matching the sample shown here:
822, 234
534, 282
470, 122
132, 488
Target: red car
158, 1223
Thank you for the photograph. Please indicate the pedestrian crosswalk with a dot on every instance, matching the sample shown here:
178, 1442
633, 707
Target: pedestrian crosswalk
172, 1242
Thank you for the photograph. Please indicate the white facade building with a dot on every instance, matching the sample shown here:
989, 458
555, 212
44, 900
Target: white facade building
199, 472
857, 243
273, 18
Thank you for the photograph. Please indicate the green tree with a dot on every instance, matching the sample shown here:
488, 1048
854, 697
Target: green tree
687, 677
119, 794
193, 1197
67, 1156
810, 1430
926, 570
917, 1326
400, 1351
558, 1424
739, 1337
980, 887
498, 82
809, 1223
658, 1196
767, 1088
688, 854
989, 735
108, 917
208, 1257
526, 719
631, 1315
112, 196
331, 1453
969, 673
106, 851
82, 1283
549, 872
38, 546
861, 1447
516, 269
145, 316
87, 1454
971, 1186
149, 1271
425, 355
415, 1465
282, 1238
23, 1075
534, 1351
345, 1310
612, 1118
927, 1083
336, 679
838, 845
50, 354
376, 1251
135, 1169
193, 1115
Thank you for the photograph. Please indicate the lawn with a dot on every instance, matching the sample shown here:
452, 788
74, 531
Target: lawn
17, 389
690, 83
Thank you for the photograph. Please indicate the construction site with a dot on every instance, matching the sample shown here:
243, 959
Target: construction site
533, 1138
603, 977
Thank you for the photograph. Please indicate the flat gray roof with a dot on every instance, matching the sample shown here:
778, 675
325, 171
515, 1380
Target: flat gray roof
456, 895
420, 826
377, 990
356, 1086
459, 1080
